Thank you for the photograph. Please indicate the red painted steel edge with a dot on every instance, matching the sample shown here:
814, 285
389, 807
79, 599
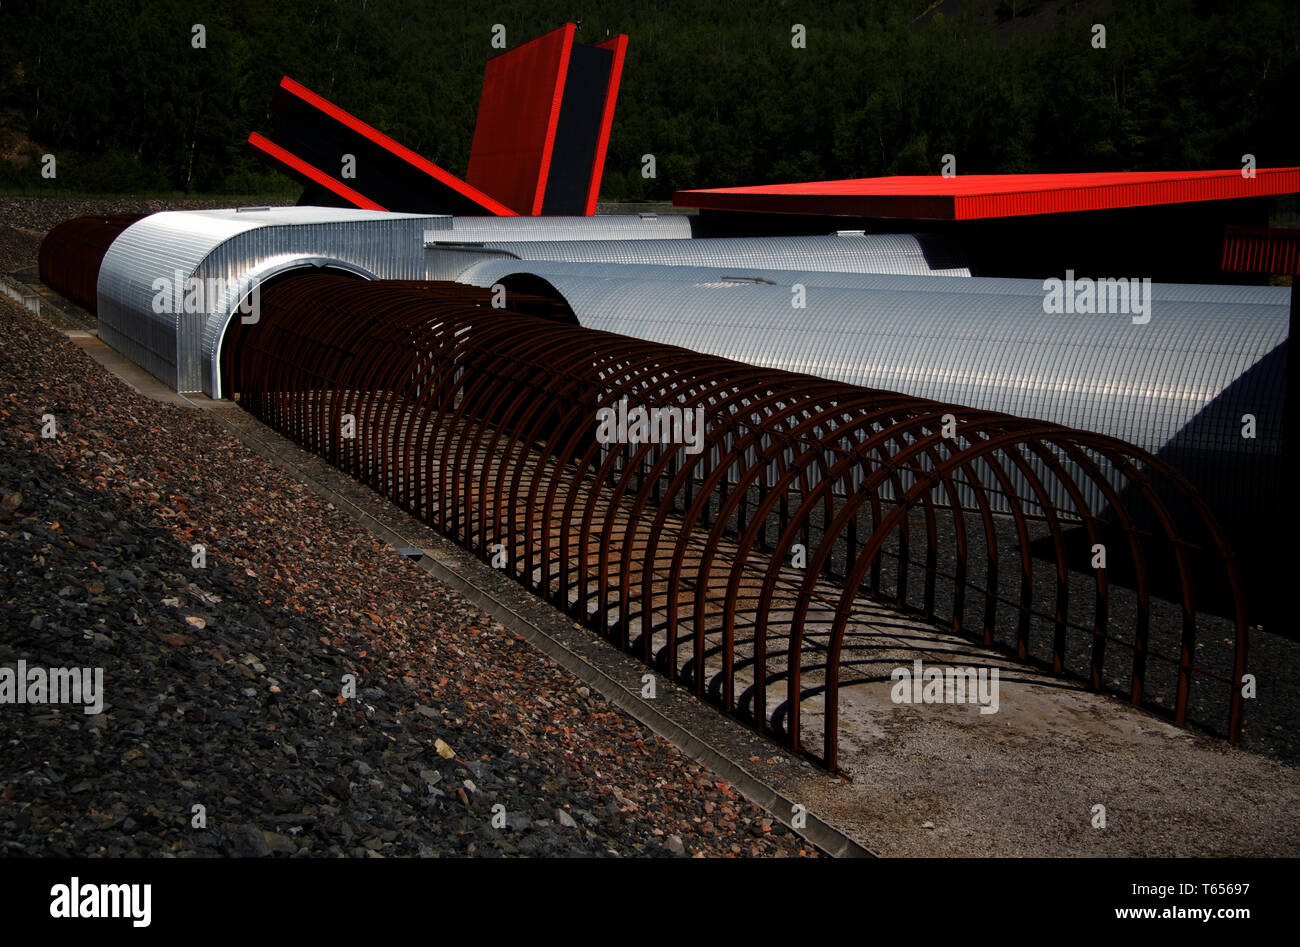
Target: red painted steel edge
553, 119
294, 163
518, 113
618, 45
298, 90
979, 196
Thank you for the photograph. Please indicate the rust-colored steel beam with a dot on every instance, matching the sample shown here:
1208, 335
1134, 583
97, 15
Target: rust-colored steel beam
742, 568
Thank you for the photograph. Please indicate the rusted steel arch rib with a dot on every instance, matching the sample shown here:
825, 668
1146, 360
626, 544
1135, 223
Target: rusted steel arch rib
1124, 458
782, 545
809, 420
566, 457
765, 455
510, 400
711, 479
384, 361
525, 420
814, 567
1132, 533
792, 525
1101, 608
494, 412
904, 503
578, 394
645, 355
1114, 449
718, 476
1062, 558
723, 431
922, 488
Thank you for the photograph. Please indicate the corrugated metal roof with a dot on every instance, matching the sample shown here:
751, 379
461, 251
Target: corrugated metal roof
1178, 385
599, 227
488, 272
234, 245
856, 253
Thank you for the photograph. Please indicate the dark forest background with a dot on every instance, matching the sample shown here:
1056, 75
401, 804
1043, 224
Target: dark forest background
714, 90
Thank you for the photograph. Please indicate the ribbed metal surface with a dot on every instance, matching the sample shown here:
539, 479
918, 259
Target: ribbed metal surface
927, 254
1177, 386
1261, 250
182, 349
488, 272
599, 227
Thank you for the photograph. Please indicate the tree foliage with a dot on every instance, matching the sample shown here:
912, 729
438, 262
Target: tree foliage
717, 92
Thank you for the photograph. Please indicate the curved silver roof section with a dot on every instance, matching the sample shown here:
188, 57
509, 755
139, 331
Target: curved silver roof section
228, 252
1177, 385
488, 272
599, 227
918, 254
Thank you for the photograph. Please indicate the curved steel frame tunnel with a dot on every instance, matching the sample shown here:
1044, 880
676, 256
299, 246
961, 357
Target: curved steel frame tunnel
482, 422
71, 253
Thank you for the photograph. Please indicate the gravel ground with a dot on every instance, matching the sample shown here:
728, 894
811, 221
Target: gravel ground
223, 684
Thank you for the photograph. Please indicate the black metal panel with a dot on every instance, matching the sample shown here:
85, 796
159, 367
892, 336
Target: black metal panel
574, 153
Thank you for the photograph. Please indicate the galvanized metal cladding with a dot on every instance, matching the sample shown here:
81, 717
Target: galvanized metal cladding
145, 280
920, 254
982, 342
1175, 380
486, 272
230, 252
752, 570
600, 227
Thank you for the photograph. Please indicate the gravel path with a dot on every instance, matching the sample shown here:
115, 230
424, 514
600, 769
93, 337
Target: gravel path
223, 684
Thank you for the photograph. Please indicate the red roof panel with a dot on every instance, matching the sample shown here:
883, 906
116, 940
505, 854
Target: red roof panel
978, 196
518, 111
